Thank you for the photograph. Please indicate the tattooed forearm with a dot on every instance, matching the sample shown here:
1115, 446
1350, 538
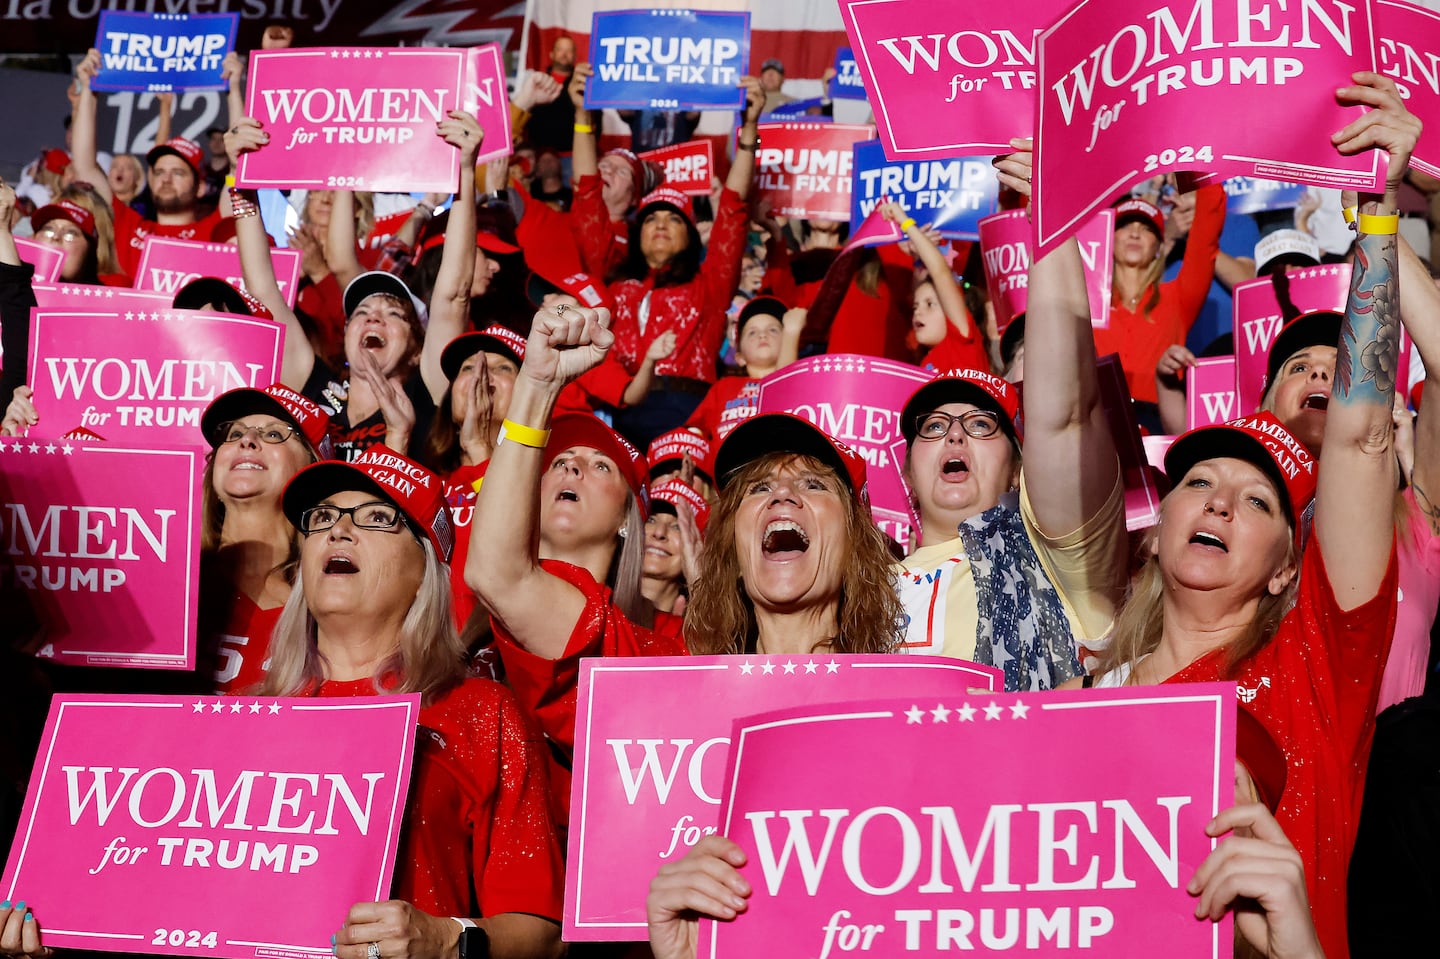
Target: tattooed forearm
1369, 348
1428, 508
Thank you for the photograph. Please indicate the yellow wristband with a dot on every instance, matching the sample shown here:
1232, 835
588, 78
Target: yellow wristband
584, 128
1349, 212
476, 487
907, 223
229, 179
524, 435
1378, 225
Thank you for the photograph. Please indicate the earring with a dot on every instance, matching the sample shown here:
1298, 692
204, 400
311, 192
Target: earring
624, 532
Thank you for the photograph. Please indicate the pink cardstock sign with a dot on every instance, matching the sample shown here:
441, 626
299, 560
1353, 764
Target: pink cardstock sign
805, 169
47, 260
1405, 36
1210, 392
1005, 254
89, 296
1132, 91
102, 550
144, 377
688, 166
948, 79
1258, 318
649, 766
167, 265
1142, 492
874, 230
202, 826
920, 825
857, 400
484, 96
354, 118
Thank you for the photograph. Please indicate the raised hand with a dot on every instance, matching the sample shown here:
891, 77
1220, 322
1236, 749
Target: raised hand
566, 341
244, 137
461, 131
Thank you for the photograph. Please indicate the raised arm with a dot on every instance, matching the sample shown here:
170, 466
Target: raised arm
537, 609
947, 291
82, 128
165, 112
255, 263
450, 297
1354, 520
1065, 429
340, 255
1420, 309
584, 156
232, 71
742, 170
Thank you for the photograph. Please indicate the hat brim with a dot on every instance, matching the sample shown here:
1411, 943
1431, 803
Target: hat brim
376, 281
212, 290
581, 429
493, 244
1315, 328
463, 347
245, 401
645, 210
157, 152
1225, 442
53, 211
764, 434
937, 393
320, 480
1135, 216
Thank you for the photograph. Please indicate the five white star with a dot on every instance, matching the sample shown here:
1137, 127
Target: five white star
940, 714
1018, 710
746, 668
914, 715
832, 667
966, 713
993, 711
811, 666
768, 668
790, 669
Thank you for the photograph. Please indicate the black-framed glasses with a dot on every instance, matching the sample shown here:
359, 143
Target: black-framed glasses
375, 515
234, 431
977, 424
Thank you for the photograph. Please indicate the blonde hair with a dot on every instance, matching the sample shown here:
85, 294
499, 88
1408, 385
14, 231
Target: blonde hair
429, 658
1153, 274
82, 194
721, 617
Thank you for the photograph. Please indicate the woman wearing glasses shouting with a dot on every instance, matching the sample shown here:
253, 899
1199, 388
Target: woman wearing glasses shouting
1015, 569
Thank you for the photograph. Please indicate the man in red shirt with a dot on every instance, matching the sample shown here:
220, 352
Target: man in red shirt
173, 172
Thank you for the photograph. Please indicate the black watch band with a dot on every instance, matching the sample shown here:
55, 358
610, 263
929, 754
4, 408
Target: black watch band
474, 943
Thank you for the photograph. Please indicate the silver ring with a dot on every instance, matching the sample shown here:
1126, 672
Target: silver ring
559, 311
372, 950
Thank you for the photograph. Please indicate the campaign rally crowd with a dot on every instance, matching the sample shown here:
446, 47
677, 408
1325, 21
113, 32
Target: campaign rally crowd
521, 426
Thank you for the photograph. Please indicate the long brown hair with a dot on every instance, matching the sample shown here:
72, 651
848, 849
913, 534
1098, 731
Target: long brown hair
721, 616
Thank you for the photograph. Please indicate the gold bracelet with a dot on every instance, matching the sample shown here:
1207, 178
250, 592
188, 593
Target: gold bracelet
907, 223
524, 435
1372, 225
584, 128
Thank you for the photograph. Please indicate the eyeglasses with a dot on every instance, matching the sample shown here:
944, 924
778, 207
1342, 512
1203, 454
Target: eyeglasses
235, 431
977, 424
376, 515
61, 236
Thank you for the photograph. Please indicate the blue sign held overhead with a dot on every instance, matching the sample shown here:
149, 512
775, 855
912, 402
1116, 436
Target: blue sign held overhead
1248, 194
163, 52
950, 195
797, 110
668, 60
846, 83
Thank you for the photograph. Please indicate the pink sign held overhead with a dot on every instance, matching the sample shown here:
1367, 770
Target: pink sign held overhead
1210, 392
1406, 37
144, 377
167, 265
240, 828
47, 260
688, 166
1133, 91
357, 118
1005, 254
484, 96
1259, 316
857, 400
874, 230
102, 556
649, 767
805, 169
933, 826
948, 79
89, 296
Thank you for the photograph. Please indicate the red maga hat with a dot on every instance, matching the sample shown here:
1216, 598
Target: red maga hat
312, 421
187, 150
976, 387
581, 429
672, 447
1142, 210
788, 433
64, 210
1261, 440
669, 493
493, 339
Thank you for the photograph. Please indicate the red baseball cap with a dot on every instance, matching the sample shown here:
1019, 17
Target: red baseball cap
672, 447
493, 339
491, 243
1138, 209
419, 493
669, 493
669, 197
788, 433
1261, 440
278, 399
56, 160
64, 210
588, 291
637, 166
582, 429
187, 150
983, 390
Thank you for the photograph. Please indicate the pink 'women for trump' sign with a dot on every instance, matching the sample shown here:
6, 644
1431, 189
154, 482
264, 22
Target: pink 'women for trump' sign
141, 376
948, 79
167, 265
1260, 309
1406, 37
47, 260
1132, 91
357, 118
1210, 392
649, 766
101, 547
925, 826
485, 98
1005, 253
203, 826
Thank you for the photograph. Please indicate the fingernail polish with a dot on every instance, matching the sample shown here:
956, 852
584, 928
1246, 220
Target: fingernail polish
5, 904
29, 918
20, 905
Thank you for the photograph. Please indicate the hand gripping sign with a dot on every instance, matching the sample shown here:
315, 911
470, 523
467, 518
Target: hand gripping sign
648, 766
805, 169
1127, 94
160, 52
946, 78
1406, 37
355, 118
102, 550
144, 377
688, 166
167, 265
668, 60
924, 825
483, 95
950, 195
206, 826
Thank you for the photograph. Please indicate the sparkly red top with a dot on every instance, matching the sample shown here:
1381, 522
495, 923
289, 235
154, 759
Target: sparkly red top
478, 839
1314, 688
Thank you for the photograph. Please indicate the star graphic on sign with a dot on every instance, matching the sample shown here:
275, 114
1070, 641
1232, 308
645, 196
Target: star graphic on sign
130, 315
236, 707
790, 669
216, 706
1018, 710
914, 715
334, 54
50, 448
993, 711
811, 666
966, 713
746, 668
768, 668
254, 708
34, 447
274, 709
345, 55
67, 449
940, 714
199, 707
832, 667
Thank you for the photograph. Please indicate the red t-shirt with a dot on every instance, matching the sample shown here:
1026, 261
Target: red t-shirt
1314, 688
235, 653
460, 497
958, 352
478, 840
131, 229
730, 402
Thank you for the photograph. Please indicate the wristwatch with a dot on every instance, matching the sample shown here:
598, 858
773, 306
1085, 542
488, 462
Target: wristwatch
474, 943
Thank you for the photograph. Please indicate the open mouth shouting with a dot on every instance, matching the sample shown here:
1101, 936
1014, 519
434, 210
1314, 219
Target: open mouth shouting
339, 564
784, 539
1208, 540
1316, 401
